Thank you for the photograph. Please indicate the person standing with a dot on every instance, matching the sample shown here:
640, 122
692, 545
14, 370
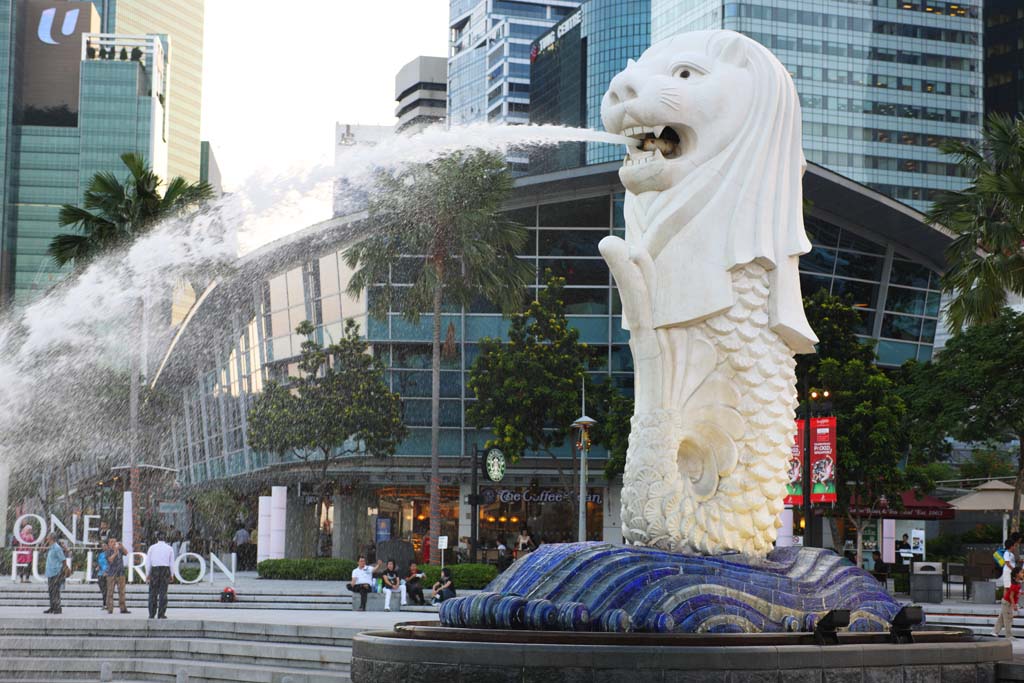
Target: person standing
101, 575
159, 560
56, 562
362, 580
116, 577
24, 554
241, 542
1008, 606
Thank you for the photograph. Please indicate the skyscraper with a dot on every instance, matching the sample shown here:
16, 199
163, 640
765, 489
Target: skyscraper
77, 99
420, 90
182, 22
572, 65
1004, 57
489, 62
881, 82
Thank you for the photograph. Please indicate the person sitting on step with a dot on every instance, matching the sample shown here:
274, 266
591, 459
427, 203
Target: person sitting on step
362, 580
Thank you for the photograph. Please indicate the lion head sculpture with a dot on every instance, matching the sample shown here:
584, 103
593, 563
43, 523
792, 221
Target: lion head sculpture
715, 182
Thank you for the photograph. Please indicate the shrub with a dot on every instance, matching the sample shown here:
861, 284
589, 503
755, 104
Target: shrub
320, 569
471, 576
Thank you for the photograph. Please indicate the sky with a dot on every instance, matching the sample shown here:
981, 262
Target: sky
278, 75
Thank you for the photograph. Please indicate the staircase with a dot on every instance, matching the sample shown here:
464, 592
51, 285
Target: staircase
79, 650
203, 596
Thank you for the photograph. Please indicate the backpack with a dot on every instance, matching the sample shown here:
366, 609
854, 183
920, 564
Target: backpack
997, 557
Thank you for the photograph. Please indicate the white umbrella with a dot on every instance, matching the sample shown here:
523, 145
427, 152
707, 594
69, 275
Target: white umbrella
992, 496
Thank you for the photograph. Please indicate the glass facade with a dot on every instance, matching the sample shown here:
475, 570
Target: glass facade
489, 59
895, 292
1004, 57
574, 63
120, 110
881, 82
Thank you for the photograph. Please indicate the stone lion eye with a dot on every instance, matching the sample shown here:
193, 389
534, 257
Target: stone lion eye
685, 73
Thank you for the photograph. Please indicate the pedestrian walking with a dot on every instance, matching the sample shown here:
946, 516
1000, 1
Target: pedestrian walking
56, 563
1008, 606
116, 575
159, 560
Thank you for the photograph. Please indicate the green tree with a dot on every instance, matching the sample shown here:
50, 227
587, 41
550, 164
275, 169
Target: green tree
870, 441
340, 405
975, 388
528, 389
445, 218
987, 463
985, 258
114, 213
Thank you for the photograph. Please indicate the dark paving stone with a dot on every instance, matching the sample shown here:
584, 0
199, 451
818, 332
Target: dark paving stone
986, 672
922, 674
432, 672
696, 677
469, 673
754, 677
361, 670
800, 676
845, 675
959, 673
624, 675
390, 671
886, 675
541, 674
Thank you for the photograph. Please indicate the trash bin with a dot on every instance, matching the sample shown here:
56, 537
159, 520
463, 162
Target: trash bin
926, 582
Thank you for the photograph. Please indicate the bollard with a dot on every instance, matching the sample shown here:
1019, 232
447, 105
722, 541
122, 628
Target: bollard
106, 672
181, 676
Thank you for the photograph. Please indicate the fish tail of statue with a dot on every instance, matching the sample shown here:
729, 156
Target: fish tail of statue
708, 473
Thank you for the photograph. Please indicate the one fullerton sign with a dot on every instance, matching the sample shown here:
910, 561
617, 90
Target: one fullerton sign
86, 537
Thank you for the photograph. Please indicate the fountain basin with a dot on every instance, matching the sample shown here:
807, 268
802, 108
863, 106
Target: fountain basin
428, 651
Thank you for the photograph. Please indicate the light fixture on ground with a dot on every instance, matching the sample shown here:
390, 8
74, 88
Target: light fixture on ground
825, 631
903, 623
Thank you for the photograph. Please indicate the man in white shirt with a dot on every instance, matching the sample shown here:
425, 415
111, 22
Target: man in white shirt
1009, 561
159, 560
362, 580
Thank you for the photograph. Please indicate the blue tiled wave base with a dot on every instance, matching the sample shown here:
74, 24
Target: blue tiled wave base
612, 588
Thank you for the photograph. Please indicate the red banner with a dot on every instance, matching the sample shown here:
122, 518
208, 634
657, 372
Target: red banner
823, 459
823, 462
795, 489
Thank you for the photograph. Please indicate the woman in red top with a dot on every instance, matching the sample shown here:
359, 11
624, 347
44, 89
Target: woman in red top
24, 554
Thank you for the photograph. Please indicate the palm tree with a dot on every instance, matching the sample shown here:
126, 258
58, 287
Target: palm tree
445, 214
112, 216
114, 213
986, 261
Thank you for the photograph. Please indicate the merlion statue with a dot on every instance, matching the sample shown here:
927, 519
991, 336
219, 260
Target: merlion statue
710, 290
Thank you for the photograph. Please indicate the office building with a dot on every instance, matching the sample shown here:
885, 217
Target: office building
489, 59
181, 21
881, 83
209, 170
78, 99
571, 67
1004, 57
421, 88
241, 334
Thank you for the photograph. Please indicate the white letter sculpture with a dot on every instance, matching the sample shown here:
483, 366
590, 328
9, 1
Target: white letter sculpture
710, 289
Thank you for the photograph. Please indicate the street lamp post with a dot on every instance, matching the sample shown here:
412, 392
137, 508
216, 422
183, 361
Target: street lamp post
811, 537
583, 423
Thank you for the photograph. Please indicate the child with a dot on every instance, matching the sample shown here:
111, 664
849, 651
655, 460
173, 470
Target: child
1008, 606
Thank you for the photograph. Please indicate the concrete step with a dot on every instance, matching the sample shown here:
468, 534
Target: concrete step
319, 657
162, 670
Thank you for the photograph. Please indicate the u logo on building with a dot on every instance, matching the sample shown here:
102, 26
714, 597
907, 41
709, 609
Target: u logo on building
67, 27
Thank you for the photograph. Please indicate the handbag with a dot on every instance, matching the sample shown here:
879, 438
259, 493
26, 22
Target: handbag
67, 571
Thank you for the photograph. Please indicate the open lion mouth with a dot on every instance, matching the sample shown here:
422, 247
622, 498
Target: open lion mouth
656, 142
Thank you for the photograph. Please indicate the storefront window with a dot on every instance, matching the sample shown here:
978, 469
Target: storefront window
403, 513
548, 513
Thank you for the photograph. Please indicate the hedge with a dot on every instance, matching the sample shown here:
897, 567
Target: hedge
320, 569
471, 576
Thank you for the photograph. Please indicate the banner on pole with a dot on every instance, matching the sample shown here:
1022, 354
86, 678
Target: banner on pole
823, 463
823, 460
795, 489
